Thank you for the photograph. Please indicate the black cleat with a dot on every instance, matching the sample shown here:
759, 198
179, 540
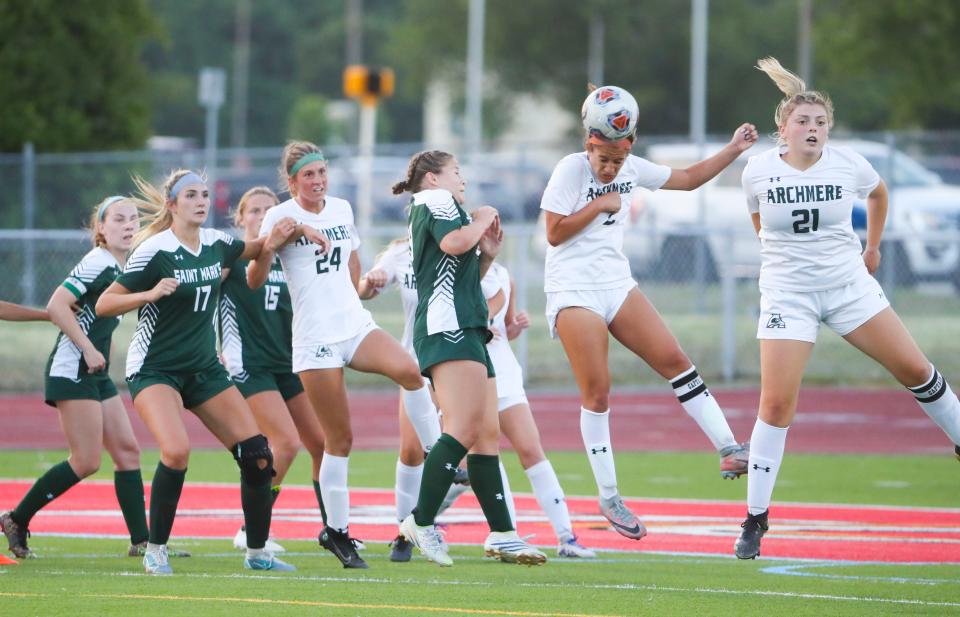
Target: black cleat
460, 477
343, 546
16, 537
401, 550
956, 450
748, 544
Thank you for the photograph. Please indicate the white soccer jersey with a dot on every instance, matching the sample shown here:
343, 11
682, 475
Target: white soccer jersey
326, 307
397, 262
593, 259
806, 237
505, 365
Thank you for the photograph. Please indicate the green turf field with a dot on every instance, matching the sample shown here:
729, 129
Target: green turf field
88, 577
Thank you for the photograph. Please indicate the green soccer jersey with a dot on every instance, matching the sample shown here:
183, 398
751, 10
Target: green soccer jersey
95, 272
256, 324
176, 334
448, 286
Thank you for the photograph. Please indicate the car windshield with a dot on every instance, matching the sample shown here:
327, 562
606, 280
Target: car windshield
905, 170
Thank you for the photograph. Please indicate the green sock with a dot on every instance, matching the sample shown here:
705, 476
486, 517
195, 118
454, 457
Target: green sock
438, 472
487, 485
323, 511
164, 496
129, 488
55, 482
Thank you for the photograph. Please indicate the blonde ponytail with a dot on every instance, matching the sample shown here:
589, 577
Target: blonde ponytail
795, 91
155, 216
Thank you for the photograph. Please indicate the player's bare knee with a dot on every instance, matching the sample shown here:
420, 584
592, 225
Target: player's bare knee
410, 379
530, 455
596, 401
85, 465
175, 457
916, 374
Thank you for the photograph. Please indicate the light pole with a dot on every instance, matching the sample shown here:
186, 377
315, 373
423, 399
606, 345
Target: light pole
210, 94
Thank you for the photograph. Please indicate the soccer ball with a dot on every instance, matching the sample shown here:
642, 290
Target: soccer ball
610, 113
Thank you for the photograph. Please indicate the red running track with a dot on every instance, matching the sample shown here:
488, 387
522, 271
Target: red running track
848, 533
828, 420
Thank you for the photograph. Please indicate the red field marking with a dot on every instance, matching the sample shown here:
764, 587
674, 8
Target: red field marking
824, 532
886, 421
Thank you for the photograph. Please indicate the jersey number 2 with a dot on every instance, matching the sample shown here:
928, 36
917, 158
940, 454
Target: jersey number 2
332, 258
809, 221
203, 296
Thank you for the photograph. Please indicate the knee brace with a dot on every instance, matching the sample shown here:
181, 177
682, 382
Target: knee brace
248, 453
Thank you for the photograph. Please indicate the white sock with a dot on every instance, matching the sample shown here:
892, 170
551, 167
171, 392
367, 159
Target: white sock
940, 403
550, 496
253, 553
333, 488
423, 415
153, 548
508, 495
766, 454
407, 488
595, 429
702, 407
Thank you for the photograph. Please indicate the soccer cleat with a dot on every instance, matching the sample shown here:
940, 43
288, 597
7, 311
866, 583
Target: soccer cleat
343, 546
401, 550
16, 537
453, 493
428, 539
733, 460
956, 450
572, 549
264, 560
156, 561
508, 547
140, 549
240, 541
748, 544
622, 519
460, 476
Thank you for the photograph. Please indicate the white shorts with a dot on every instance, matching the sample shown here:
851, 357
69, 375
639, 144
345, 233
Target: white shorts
509, 374
796, 315
330, 355
603, 302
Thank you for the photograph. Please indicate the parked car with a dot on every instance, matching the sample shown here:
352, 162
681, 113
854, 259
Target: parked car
921, 234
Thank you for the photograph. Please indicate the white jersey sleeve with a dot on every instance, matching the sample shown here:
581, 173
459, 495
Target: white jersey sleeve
397, 262
593, 258
806, 236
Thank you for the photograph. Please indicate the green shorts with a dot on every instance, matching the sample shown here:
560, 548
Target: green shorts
89, 387
466, 344
255, 382
194, 388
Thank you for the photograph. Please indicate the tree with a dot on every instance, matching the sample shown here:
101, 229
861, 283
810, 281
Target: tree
71, 75
893, 63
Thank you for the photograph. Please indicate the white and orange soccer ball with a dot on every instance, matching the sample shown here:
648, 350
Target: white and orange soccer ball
610, 113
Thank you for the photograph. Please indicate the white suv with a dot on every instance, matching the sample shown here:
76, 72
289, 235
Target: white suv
922, 234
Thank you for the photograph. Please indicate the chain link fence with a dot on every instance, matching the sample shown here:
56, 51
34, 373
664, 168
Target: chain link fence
694, 254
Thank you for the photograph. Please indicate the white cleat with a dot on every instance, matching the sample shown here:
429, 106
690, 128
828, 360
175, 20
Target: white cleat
509, 547
571, 549
240, 541
428, 539
156, 561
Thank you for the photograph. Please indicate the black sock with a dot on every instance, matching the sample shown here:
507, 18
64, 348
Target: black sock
164, 496
129, 488
55, 482
438, 472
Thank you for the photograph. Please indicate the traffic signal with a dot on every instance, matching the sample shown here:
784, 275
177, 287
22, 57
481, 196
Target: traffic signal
364, 82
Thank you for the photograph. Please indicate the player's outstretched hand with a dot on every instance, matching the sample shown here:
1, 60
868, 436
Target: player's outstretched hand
745, 136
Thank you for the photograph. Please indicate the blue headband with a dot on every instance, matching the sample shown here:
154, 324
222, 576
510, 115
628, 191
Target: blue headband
190, 178
106, 203
306, 160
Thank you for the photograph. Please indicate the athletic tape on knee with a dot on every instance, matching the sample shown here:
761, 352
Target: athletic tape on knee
248, 454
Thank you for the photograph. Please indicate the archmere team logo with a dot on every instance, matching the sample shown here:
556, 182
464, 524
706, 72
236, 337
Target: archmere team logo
605, 95
619, 120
